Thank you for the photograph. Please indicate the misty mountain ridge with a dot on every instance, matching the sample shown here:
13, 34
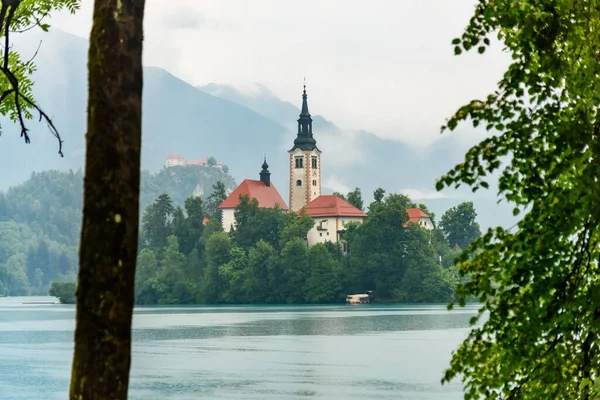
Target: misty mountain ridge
237, 128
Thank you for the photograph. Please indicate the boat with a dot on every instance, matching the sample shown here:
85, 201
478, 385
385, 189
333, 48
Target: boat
358, 298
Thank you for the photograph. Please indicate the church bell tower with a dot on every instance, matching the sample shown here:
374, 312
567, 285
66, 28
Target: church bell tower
305, 162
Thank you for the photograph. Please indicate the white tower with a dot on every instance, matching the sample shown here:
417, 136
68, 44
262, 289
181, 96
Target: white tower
305, 162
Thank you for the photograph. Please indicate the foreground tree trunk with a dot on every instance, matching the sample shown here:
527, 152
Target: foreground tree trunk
109, 237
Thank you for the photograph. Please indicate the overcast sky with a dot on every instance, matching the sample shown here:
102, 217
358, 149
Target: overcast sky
385, 66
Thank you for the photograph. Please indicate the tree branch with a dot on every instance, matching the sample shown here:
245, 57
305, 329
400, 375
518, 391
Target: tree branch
7, 13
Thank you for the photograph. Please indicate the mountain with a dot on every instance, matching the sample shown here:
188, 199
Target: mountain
177, 118
237, 128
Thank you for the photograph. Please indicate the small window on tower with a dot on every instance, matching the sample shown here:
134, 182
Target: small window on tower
298, 182
314, 182
299, 162
314, 162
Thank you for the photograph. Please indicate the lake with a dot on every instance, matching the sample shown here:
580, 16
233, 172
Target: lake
375, 351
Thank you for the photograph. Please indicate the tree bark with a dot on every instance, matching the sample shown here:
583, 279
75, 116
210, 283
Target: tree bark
109, 236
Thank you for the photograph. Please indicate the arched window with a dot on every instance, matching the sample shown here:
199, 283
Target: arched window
298, 182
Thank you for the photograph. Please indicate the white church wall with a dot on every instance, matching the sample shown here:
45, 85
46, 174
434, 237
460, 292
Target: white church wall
426, 223
326, 229
228, 219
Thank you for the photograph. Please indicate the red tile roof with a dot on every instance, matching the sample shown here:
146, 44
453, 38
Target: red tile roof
174, 157
196, 162
330, 205
415, 215
203, 160
267, 196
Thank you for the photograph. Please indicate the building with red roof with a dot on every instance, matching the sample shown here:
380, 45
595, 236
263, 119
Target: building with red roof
331, 214
417, 216
174, 160
197, 162
262, 190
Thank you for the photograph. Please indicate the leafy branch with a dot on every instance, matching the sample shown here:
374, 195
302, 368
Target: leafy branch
15, 92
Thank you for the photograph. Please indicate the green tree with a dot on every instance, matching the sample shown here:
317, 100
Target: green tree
378, 248
218, 195
15, 79
109, 233
262, 259
440, 245
378, 196
218, 248
537, 284
42, 258
63, 291
146, 275
253, 223
178, 224
296, 227
13, 275
211, 227
188, 229
37, 283
225, 169
293, 265
211, 161
156, 222
171, 284
233, 274
64, 264
355, 198
3, 207
424, 280
459, 225
322, 284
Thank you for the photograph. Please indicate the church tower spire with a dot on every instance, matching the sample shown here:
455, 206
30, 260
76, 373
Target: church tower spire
305, 139
305, 162
265, 175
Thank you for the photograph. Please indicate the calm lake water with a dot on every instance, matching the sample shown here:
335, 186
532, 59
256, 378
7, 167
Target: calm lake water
246, 352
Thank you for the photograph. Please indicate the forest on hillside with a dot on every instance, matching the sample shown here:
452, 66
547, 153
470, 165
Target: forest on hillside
40, 221
265, 259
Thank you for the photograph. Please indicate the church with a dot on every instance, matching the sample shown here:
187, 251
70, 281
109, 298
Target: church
329, 212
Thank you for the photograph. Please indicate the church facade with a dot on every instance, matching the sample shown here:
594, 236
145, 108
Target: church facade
329, 212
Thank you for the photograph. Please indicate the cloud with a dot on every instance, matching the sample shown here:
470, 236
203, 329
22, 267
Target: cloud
426, 194
335, 185
184, 17
342, 149
388, 68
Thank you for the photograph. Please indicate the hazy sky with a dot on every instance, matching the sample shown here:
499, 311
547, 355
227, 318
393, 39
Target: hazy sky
386, 66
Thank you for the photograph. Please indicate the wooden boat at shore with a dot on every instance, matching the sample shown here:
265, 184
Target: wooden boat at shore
358, 298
